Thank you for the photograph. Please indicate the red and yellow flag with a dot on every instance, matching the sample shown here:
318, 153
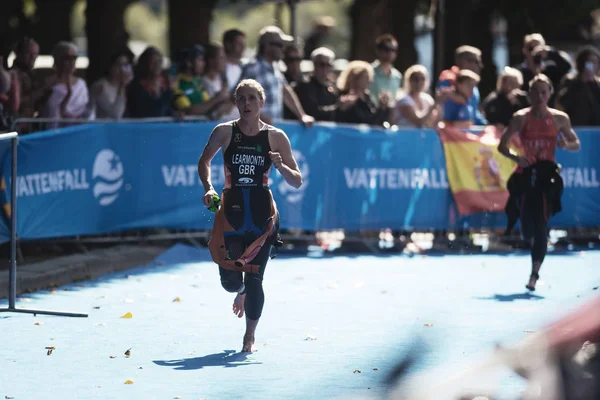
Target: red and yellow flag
477, 172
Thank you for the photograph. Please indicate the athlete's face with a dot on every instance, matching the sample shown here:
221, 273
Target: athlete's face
539, 94
248, 102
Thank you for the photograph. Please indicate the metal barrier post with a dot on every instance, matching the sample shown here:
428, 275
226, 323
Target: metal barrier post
12, 275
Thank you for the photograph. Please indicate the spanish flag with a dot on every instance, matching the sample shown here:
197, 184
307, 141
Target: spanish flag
477, 172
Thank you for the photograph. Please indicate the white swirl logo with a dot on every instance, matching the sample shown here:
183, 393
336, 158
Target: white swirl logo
292, 194
108, 176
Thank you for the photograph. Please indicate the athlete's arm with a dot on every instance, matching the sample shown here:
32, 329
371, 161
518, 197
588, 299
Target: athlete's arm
513, 127
567, 139
283, 159
218, 139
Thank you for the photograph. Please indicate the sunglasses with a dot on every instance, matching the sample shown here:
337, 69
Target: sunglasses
324, 64
388, 49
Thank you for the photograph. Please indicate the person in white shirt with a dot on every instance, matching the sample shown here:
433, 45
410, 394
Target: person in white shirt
234, 44
416, 108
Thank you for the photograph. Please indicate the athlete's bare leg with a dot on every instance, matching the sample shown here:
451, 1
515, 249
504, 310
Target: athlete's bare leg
248, 345
238, 305
535, 269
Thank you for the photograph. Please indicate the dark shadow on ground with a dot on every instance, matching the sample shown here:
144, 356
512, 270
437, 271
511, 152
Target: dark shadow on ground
512, 297
227, 359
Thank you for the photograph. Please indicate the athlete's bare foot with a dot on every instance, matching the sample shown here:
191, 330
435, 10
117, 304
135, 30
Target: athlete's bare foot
248, 346
533, 278
238, 305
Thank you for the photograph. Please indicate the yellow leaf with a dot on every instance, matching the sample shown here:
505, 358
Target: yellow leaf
38, 323
129, 382
176, 300
127, 315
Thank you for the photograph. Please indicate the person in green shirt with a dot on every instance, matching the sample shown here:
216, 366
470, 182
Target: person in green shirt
191, 97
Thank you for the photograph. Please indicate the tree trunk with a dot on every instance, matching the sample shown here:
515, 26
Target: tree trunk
475, 33
13, 25
53, 23
105, 30
371, 18
189, 23
483, 39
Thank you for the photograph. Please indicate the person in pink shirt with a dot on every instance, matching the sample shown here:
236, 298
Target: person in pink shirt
67, 95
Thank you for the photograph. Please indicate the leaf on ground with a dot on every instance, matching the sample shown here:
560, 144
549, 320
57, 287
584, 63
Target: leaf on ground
96, 307
375, 369
428, 324
112, 356
357, 371
128, 353
38, 323
129, 382
529, 331
176, 300
309, 337
127, 315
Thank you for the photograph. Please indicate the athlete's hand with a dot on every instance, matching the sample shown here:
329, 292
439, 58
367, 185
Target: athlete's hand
276, 159
207, 199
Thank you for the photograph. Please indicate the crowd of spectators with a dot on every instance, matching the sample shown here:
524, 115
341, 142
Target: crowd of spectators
200, 81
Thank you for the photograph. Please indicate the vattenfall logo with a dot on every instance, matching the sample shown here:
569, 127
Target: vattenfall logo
108, 176
107, 179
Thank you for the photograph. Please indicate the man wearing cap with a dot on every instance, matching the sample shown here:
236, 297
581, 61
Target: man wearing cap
265, 69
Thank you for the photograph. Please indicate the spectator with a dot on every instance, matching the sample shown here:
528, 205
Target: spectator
387, 78
67, 95
9, 97
215, 82
292, 57
191, 95
359, 108
265, 70
109, 94
234, 44
319, 96
540, 58
466, 58
500, 105
416, 107
149, 94
319, 35
9, 91
30, 87
579, 94
458, 111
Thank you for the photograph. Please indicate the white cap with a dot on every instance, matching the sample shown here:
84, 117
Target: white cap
274, 31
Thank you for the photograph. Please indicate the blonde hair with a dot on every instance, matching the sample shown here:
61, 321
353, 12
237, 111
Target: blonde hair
537, 37
467, 50
413, 69
509, 72
465, 75
61, 49
541, 78
352, 71
251, 83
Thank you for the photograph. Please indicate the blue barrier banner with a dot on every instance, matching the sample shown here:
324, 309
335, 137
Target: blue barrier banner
104, 178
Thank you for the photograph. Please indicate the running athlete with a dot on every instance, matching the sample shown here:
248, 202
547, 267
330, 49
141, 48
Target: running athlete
536, 186
247, 222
